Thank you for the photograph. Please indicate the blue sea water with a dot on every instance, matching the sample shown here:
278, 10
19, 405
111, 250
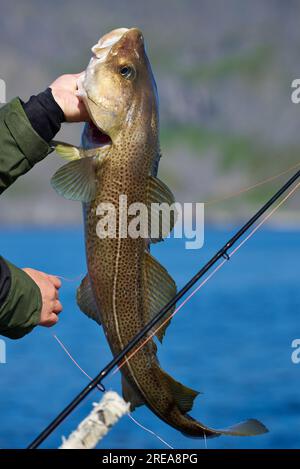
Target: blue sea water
232, 341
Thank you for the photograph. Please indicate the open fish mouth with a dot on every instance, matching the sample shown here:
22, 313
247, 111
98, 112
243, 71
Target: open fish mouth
95, 137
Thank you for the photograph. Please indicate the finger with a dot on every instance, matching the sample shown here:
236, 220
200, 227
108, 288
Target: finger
55, 280
84, 115
51, 321
57, 307
77, 75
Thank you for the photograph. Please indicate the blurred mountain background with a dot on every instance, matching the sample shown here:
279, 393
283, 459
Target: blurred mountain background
224, 71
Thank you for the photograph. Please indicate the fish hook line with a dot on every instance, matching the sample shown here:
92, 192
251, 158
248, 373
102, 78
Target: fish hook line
151, 432
66, 279
100, 387
219, 266
119, 358
205, 440
253, 186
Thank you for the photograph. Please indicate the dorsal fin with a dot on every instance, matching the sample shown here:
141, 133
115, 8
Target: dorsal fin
161, 218
154, 169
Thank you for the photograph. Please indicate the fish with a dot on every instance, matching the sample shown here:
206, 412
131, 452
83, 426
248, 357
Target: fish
125, 285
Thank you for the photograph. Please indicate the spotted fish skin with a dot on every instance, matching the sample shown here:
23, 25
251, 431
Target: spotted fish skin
125, 286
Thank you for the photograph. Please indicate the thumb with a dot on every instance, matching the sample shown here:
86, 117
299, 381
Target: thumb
77, 75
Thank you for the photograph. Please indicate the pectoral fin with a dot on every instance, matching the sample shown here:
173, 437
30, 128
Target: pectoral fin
86, 301
160, 288
70, 152
76, 180
161, 218
67, 151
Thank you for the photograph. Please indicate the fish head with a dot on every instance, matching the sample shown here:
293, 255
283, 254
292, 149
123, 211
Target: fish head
118, 88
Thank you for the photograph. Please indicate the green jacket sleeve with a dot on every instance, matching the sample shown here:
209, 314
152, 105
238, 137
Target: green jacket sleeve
20, 149
21, 310
20, 146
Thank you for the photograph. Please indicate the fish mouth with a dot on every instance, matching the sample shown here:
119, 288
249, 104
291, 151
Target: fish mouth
96, 137
97, 134
93, 136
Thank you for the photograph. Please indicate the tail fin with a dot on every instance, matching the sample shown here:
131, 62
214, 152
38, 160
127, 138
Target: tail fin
184, 398
251, 427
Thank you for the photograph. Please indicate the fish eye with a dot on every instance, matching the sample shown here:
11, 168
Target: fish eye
127, 72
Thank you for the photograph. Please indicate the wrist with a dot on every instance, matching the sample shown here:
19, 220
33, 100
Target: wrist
59, 101
44, 114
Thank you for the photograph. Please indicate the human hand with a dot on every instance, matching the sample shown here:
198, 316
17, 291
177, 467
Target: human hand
64, 92
49, 286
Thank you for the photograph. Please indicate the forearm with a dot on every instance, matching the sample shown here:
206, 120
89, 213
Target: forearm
44, 114
25, 132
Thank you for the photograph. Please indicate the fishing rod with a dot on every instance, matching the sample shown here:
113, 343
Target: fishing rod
97, 381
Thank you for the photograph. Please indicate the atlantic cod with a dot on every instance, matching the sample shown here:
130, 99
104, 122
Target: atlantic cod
125, 286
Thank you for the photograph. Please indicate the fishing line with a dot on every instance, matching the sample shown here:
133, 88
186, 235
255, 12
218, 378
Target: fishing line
66, 279
264, 220
119, 358
205, 440
74, 361
254, 186
219, 266
151, 432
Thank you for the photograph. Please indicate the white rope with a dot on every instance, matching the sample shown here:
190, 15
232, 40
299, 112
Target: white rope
97, 424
